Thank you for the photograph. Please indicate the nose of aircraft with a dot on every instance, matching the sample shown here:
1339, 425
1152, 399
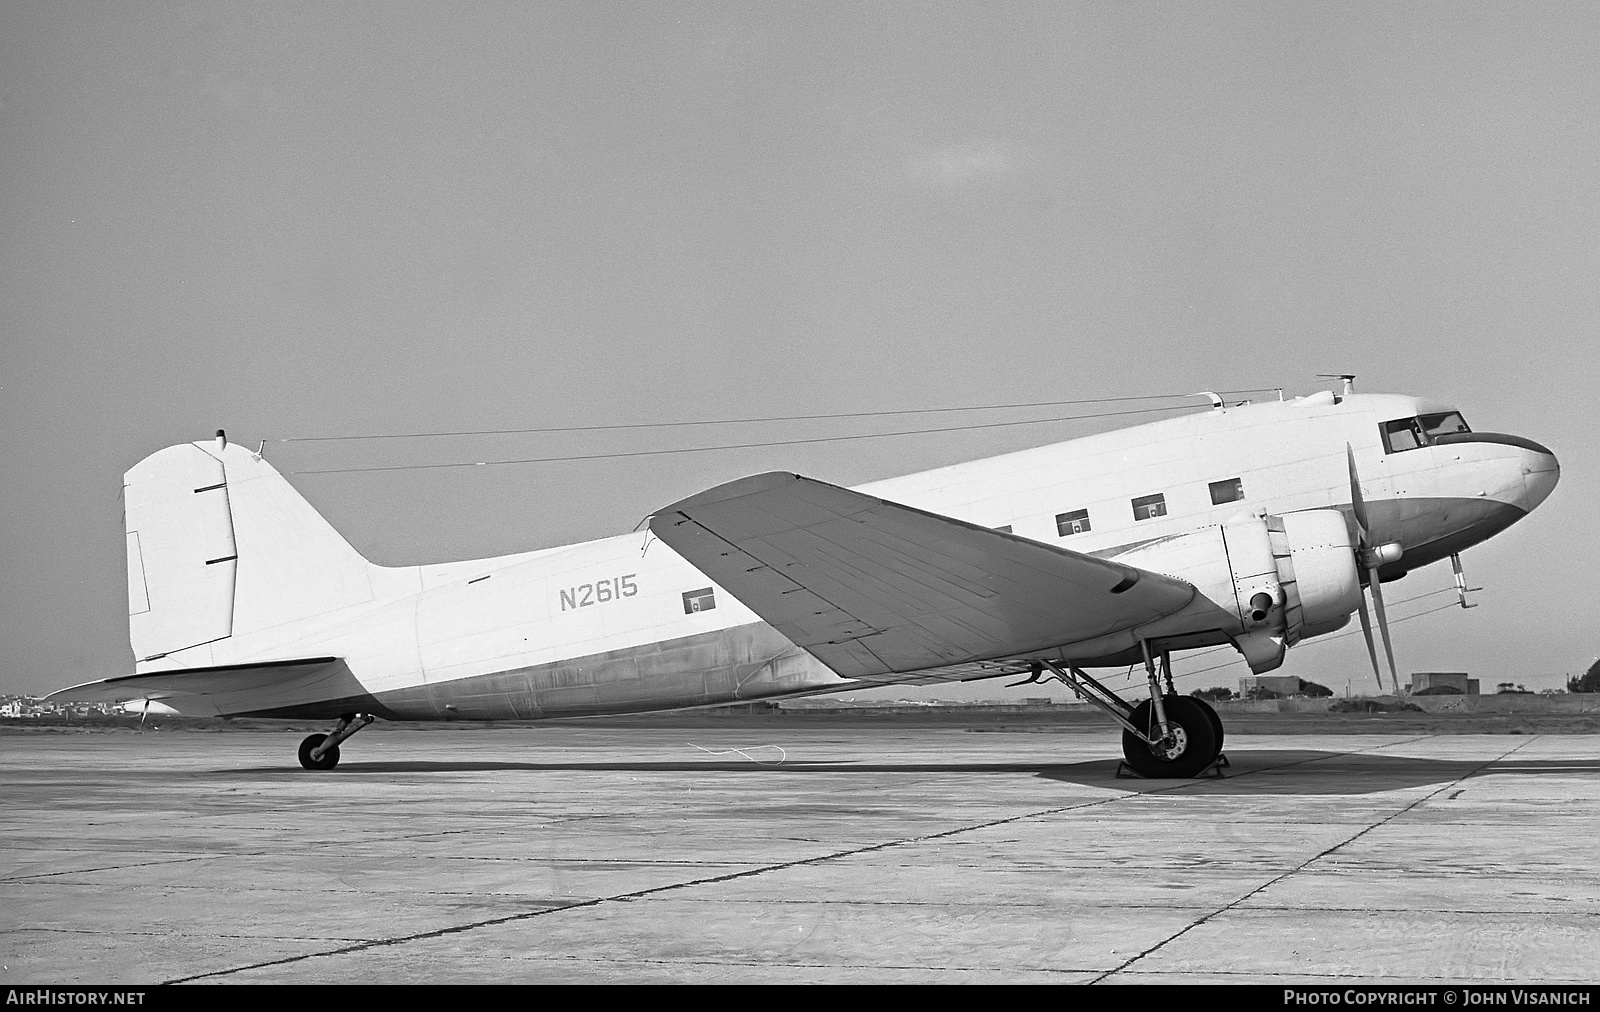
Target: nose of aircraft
1540, 472
1510, 469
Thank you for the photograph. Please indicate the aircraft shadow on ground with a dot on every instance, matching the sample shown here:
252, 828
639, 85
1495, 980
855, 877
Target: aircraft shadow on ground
1291, 771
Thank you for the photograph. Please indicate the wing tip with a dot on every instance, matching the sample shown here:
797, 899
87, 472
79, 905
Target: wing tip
119, 687
63, 694
735, 489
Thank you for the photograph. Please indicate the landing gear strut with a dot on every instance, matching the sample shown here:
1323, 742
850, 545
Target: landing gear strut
1167, 736
321, 751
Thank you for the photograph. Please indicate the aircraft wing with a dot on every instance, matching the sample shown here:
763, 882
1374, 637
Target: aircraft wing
872, 587
226, 689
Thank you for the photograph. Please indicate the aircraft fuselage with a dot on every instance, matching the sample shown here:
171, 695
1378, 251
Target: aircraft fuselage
625, 624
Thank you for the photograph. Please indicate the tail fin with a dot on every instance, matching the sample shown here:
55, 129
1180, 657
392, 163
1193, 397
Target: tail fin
220, 545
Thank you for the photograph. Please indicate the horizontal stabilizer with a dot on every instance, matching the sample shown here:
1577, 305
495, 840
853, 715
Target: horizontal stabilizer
227, 689
871, 587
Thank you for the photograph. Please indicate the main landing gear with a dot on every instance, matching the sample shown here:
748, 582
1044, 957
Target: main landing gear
1184, 748
321, 751
1167, 736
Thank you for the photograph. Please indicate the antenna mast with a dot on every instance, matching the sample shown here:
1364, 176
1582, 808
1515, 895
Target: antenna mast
1348, 377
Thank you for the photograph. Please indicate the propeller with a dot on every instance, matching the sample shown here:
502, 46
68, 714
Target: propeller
1370, 557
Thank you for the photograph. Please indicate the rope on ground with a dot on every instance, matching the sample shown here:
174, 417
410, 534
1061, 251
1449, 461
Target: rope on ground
782, 755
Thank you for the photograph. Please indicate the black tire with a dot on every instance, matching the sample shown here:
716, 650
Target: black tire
329, 759
1194, 749
1216, 721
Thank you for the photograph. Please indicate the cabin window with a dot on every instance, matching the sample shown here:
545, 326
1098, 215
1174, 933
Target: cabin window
698, 600
1409, 433
1148, 507
1076, 522
1231, 490
1004, 529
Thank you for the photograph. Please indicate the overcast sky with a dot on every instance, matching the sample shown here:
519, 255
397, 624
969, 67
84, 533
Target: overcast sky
293, 220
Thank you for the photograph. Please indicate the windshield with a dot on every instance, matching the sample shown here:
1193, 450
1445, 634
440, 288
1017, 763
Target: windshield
1410, 433
1438, 425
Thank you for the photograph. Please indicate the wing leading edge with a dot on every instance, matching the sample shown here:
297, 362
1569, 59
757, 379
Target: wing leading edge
872, 587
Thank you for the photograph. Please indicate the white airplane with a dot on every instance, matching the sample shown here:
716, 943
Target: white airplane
1251, 525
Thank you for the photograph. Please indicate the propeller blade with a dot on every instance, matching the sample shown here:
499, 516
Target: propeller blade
1358, 505
1364, 553
1383, 624
1366, 630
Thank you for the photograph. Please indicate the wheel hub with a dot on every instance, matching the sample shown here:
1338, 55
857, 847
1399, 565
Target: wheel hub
1173, 745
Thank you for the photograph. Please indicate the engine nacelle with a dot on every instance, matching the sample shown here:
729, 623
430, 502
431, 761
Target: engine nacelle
1268, 582
1317, 566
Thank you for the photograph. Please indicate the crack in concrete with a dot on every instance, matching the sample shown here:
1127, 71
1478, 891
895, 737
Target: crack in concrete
178, 934
23, 879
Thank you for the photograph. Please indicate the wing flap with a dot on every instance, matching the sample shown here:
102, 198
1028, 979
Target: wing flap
872, 587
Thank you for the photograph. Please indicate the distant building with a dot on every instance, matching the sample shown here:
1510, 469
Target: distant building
1283, 685
29, 706
1456, 680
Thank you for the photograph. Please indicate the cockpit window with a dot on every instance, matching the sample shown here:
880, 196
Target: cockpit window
1439, 425
1410, 433
1402, 434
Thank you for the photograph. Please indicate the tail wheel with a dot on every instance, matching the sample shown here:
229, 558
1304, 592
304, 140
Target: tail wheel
1189, 747
329, 759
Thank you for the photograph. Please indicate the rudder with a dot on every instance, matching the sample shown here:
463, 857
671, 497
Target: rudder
182, 559
220, 546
